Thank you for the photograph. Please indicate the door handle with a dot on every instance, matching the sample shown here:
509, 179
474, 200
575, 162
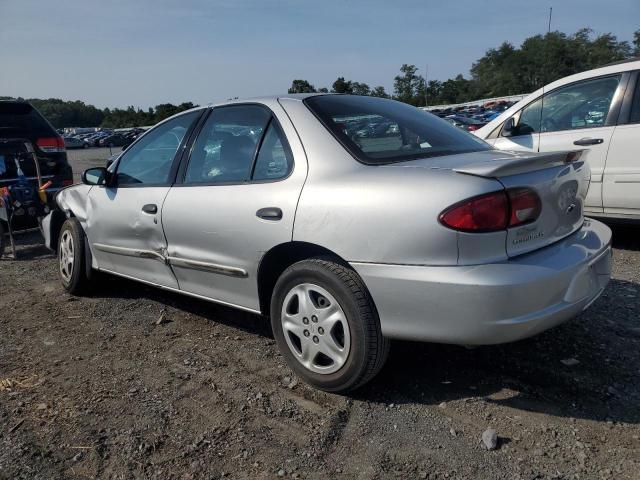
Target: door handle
269, 213
588, 141
150, 208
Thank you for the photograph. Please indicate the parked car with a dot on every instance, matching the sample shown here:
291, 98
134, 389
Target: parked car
429, 234
94, 139
598, 111
73, 142
113, 140
465, 123
20, 121
131, 136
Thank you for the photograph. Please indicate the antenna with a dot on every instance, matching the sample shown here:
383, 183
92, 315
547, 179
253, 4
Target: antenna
426, 85
544, 79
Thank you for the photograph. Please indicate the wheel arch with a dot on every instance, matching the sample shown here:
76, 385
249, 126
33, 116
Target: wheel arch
58, 218
279, 258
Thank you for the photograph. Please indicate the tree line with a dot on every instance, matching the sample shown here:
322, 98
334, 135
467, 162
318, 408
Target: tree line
64, 113
506, 70
502, 71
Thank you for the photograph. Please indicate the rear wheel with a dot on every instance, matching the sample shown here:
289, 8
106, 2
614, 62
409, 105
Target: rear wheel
326, 325
71, 258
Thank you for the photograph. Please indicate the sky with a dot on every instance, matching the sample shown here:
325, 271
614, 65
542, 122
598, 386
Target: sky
144, 52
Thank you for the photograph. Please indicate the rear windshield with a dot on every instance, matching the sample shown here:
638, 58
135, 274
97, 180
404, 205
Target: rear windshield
21, 118
380, 131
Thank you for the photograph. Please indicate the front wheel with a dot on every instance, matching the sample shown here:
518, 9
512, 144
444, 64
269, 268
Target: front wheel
326, 325
71, 257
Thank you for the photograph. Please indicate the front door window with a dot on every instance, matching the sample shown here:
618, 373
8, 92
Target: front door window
149, 161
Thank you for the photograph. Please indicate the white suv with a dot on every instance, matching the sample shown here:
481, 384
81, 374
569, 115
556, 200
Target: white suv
597, 110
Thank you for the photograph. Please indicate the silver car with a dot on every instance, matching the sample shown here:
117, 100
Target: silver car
280, 206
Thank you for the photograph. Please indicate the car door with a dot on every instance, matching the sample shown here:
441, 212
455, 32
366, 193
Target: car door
621, 186
124, 217
236, 200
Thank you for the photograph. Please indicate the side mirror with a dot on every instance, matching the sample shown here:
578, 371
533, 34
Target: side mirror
95, 176
509, 128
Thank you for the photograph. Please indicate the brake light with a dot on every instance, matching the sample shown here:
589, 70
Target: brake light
50, 144
494, 211
485, 213
472, 128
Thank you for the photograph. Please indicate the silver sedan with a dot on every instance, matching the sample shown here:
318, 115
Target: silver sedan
348, 221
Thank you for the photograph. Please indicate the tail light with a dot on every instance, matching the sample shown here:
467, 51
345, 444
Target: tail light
50, 144
493, 211
66, 183
472, 128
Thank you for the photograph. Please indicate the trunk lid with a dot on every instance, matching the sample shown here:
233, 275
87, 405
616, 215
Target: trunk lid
561, 185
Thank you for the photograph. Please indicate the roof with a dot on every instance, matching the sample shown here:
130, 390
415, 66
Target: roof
270, 98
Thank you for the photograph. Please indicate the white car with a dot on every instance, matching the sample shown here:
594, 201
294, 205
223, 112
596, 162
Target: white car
597, 110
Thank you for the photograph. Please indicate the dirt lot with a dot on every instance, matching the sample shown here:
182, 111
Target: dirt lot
95, 388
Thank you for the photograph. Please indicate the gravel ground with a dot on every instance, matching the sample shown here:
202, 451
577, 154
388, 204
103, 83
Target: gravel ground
96, 387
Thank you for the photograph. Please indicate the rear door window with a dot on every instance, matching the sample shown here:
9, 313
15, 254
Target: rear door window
275, 159
226, 146
635, 105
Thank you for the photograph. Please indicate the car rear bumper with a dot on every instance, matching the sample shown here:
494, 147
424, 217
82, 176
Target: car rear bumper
492, 303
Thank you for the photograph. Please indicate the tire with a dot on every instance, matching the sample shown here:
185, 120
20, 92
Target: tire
72, 265
320, 305
3, 239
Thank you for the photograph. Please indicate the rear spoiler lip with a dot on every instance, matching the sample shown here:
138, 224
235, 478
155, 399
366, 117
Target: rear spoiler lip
515, 163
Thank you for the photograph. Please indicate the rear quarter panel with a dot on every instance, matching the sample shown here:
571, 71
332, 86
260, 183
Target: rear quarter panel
377, 214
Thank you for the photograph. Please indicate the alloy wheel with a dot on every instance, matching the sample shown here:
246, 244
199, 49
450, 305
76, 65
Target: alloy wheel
66, 255
315, 328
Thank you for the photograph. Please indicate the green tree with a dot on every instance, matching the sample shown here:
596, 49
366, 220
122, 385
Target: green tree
409, 87
301, 86
541, 59
341, 86
434, 89
379, 91
358, 88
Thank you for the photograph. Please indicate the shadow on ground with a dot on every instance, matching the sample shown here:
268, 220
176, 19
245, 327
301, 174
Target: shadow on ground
626, 237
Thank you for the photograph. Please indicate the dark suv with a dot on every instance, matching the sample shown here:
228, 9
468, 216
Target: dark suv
20, 121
